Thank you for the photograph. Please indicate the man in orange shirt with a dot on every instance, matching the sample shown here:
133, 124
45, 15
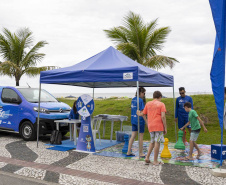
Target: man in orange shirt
155, 111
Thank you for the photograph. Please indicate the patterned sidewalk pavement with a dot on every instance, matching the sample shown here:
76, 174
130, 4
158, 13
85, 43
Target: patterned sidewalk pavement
25, 159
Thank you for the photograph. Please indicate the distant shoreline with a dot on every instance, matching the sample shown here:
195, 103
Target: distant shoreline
125, 95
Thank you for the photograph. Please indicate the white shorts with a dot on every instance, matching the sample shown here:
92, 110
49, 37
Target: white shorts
157, 137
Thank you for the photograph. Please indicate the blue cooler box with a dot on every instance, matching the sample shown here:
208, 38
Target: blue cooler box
216, 150
120, 135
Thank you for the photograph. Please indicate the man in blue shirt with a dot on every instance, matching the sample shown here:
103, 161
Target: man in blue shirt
180, 114
134, 122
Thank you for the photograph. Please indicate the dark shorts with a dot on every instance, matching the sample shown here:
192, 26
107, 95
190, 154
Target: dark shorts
135, 128
182, 120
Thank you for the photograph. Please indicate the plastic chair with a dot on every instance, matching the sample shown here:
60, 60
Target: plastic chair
96, 128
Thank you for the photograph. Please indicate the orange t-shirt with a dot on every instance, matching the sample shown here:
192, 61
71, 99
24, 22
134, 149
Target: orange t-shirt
153, 110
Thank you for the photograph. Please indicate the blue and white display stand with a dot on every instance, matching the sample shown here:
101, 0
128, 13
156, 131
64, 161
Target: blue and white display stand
85, 107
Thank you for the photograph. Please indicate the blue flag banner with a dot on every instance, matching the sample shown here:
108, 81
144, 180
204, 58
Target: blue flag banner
85, 139
217, 74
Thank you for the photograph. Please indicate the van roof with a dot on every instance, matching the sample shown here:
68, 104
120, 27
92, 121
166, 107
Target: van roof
21, 87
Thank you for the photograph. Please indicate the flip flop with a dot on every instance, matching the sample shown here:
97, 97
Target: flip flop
188, 159
147, 161
198, 156
130, 155
142, 156
159, 163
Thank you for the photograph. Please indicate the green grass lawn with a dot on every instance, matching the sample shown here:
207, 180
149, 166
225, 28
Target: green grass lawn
203, 104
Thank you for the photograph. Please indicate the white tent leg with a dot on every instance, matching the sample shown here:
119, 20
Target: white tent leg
93, 94
39, 100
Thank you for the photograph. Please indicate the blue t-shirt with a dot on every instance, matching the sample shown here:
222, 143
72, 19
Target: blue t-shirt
134, 110
72, 115
180, 111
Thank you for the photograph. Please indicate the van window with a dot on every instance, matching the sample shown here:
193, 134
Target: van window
10, 96
32, 95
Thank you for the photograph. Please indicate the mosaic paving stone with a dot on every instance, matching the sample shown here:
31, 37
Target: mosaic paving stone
119, 167
32, 172
203, 176
45, 156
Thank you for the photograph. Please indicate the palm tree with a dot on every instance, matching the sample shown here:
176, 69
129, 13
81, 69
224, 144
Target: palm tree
20, 55
141, 41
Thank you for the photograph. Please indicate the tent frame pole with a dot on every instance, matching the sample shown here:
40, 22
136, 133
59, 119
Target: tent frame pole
138, 119
39, 100
174, 113
93, 93
93, 98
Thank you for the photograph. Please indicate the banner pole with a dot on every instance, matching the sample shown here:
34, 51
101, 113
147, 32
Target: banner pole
174, 113
138, 119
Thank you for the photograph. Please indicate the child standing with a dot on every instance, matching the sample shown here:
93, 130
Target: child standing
195, 122
155, 111
134, 122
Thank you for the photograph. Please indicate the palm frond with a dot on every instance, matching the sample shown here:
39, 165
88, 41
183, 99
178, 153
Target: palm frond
8, 68
141, 41
150, 27
25, 40
131, 50
5, 50
157, 38
9, 36
134, 23
25, 36
159, 61
117, 34
32, 57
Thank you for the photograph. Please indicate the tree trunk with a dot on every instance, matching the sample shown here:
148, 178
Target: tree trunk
17, 78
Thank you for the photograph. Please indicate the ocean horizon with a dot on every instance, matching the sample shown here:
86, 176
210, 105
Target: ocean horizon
129, 95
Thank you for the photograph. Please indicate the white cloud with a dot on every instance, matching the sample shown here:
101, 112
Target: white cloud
74, 31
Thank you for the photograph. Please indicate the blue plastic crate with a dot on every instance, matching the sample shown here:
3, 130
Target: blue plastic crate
120, 135
216, 151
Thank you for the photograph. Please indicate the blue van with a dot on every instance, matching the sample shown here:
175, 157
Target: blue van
19, 111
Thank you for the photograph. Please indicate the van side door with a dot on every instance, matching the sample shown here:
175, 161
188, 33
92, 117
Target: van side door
9, 111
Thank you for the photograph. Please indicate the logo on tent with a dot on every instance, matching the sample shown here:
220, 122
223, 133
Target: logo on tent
127, 76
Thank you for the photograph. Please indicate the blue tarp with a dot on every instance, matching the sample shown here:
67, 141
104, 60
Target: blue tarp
109, 68
217, 73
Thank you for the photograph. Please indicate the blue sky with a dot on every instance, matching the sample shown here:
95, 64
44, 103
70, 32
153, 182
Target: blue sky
74, 31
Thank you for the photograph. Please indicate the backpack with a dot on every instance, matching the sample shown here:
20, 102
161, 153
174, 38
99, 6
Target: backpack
56, 137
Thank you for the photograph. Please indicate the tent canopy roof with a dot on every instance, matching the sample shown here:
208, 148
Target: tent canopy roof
109, 68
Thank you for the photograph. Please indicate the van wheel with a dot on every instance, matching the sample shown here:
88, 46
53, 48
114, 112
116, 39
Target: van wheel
27, 131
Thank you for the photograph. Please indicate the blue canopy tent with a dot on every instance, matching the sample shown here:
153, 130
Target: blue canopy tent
217, 73
107, 69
